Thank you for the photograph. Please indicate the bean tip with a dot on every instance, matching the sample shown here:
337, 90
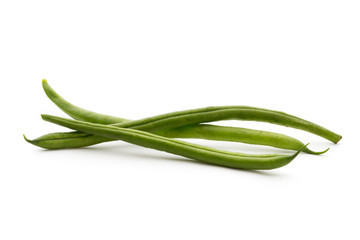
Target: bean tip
301, 149
34, 142
323, 151
307, 150
44, 116
26, 139
338, 139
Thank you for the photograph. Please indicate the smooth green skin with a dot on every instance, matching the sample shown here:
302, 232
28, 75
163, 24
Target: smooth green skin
77, 112
89, 116
177, 147
203, 131
184, 118
41, 140
236, 134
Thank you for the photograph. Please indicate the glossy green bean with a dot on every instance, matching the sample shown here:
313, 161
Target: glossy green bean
192, 151
184, 118
204, 131
199, 115
44, 141
89, 116
237, 134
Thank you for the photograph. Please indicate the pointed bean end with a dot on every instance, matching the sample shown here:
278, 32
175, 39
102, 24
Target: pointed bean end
28, 140
36, 142
318, 153
301, 149
307, 150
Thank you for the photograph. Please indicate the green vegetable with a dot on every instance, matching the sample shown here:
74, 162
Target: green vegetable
192, 151
203, 131
158, 132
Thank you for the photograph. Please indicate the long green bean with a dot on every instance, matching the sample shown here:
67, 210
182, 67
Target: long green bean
38, 142
202, 115
202, 131
89, 116
184, 118
192, 151
205, 131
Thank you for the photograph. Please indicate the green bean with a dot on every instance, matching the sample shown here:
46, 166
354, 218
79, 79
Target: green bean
43, 141
55, 119
200, 115
70, 140
89, 116
183, 118
236, 134
192, 151
202, 131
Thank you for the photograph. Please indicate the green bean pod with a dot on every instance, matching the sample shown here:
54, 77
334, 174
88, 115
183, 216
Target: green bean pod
236, 134
90, 116
184, 118
177, 147
204, 131
194, 116
41, 140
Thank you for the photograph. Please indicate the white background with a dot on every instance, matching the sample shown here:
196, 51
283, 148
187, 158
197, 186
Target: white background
135, 59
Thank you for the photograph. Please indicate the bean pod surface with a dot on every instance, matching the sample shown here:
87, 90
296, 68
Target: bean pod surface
181, 124
188, 150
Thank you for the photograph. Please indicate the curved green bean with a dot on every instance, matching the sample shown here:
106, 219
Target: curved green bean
192, 151
43, 140
89, 116
194, 116
204, 131
183, 118
236, 134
